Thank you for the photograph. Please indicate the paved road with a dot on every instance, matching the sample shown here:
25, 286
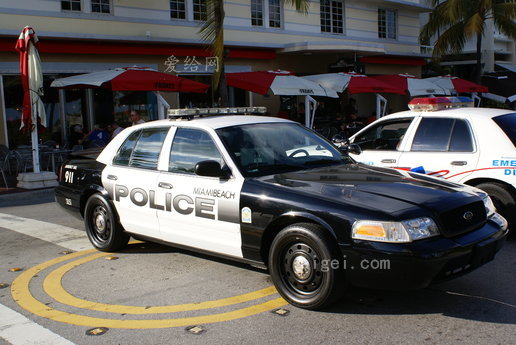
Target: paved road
151, 294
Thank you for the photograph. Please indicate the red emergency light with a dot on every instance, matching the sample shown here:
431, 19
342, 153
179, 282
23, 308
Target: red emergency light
439, 103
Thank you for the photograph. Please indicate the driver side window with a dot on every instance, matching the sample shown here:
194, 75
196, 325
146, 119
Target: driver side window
385, 136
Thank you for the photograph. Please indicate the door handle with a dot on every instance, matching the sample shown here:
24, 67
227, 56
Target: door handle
459, 163
165, 185
388, 161
112, 177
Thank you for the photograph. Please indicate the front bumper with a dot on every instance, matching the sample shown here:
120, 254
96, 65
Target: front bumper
418, 264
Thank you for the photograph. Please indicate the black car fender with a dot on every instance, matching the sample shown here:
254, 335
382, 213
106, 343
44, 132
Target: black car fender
288, 218
91, 189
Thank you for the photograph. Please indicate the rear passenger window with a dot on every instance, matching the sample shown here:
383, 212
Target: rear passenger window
443, 135
461, 140
124, 153
148, 147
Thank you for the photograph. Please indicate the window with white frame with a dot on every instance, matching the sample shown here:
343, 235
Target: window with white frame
387, 23
71, 5
100, 6
178, 9
199, 9
274, 14
266, 13
257, 12
332, 16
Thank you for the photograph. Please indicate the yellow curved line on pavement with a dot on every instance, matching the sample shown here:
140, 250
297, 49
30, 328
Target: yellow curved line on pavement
53, 287
21, 294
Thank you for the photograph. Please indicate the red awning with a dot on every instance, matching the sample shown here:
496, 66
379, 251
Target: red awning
393, 60
116, 48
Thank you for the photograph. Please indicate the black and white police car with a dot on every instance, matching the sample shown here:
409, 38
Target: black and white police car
272, 193
446, 137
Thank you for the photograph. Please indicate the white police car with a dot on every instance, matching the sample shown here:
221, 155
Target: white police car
272, 193
446, 137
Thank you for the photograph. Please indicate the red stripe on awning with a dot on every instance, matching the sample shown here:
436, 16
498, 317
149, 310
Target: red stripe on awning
111, 48
393, 60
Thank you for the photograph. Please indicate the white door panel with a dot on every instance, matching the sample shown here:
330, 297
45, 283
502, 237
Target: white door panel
134, 196
440, 164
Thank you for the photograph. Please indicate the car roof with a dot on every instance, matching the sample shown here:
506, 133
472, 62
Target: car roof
454, 112
215, 122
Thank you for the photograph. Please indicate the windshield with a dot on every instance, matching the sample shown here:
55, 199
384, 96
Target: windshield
508, 124
270, 148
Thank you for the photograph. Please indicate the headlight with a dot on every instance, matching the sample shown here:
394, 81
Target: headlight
398, 232
488, 203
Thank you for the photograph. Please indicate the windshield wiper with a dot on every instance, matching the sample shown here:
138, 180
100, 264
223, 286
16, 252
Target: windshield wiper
323, 161
256, 166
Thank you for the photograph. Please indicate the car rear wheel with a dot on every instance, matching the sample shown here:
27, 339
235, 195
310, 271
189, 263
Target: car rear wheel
306, 267
102, 227
503, 200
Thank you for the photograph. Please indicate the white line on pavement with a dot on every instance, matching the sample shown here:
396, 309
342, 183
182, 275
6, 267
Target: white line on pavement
14, 327
18, 330
57, 234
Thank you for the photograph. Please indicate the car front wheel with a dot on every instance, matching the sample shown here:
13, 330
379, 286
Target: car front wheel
102, 227
306, 267
503, 201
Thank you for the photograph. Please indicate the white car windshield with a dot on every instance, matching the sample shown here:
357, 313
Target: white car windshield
270, 148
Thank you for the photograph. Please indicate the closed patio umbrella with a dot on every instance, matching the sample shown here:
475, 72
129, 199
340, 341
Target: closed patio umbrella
32, 81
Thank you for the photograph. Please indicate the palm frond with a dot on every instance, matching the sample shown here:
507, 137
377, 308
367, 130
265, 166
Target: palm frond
300, 5
451, 41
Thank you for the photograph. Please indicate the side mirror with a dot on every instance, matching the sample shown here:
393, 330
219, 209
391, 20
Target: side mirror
339, 140
343, 145
211, 169
354, 149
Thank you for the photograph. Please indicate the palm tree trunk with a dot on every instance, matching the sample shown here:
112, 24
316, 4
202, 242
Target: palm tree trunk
478, 68
220, 79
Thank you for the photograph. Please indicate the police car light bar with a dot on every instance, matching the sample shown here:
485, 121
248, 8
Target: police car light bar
202, 112
439, 103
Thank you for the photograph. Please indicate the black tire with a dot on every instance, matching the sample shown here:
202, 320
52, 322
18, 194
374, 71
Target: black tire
503, 200
102, 227
315, 283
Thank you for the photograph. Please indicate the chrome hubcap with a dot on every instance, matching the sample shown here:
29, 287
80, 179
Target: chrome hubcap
301, 267
100, 223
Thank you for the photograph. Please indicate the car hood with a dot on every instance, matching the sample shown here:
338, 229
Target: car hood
386, 190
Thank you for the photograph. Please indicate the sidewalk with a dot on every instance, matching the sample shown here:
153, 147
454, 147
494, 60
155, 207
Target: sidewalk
13, 195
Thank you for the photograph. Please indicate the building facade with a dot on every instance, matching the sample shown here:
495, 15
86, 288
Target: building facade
80, 36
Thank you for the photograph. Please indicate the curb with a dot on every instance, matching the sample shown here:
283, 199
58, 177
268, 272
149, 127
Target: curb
28, 196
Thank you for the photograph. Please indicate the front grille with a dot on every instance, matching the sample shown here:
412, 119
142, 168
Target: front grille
463, 219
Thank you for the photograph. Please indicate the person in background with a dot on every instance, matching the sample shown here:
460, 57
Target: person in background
116, 129
98, 137
135, 118
299, 116
350, 110
76, 136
